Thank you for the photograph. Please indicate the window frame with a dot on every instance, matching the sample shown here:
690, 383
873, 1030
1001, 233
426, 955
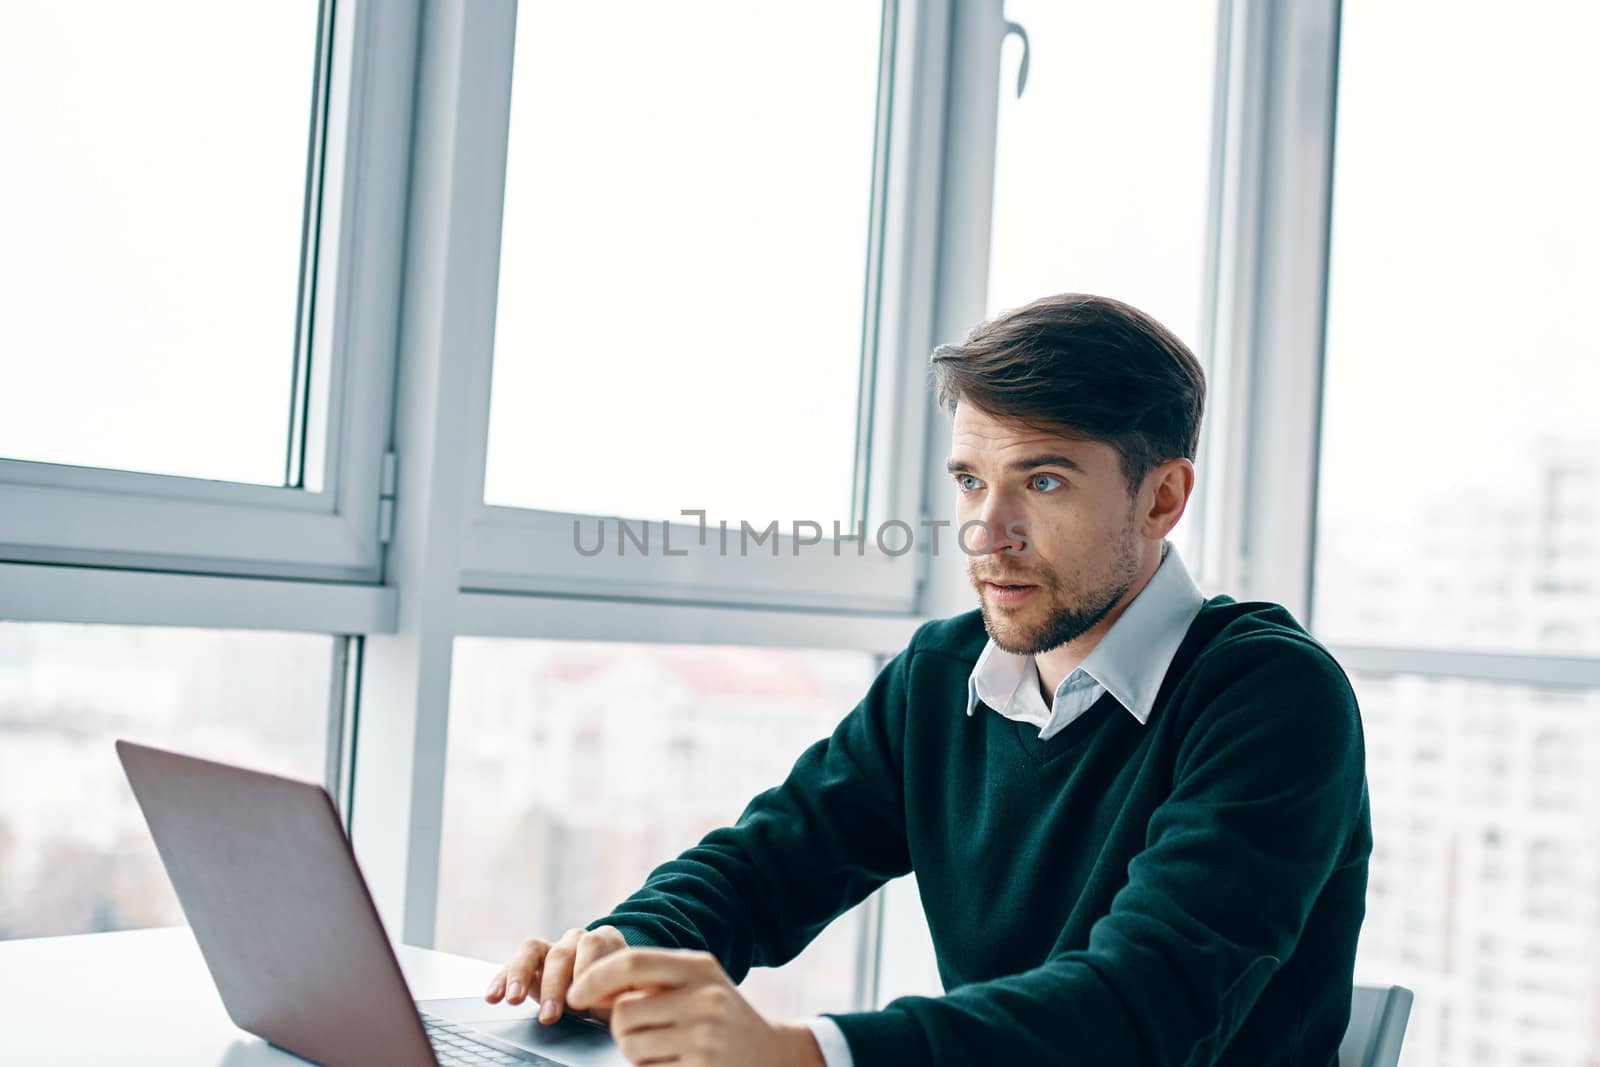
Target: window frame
527, 551
98, 517
1276, 161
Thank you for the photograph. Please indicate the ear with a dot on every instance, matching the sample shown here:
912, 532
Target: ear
1169, 487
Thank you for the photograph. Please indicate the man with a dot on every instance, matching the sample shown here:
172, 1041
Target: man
1138, 817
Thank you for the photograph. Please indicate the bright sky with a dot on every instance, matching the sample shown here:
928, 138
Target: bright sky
150, 209
684, 259
1102, 165
1464, 273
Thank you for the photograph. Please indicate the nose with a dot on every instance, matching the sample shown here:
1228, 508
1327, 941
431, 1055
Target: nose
997, 528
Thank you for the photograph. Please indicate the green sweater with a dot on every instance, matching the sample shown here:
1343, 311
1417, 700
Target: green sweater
1188, 891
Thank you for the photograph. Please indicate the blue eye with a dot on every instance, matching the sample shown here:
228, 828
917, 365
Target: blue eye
961, 482
1045, 477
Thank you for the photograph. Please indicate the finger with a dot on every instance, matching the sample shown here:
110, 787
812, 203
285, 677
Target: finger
497, 987
524, 970
557, 977
633, 968
646, 1009
659, 1044
593, 946
653, 1043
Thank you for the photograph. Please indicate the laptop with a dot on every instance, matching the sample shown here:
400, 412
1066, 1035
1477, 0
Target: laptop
270, 886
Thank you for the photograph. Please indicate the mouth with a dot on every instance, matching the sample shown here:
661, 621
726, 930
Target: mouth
1009, 592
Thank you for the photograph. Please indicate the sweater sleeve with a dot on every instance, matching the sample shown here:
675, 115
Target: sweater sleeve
1268, 790
754, 894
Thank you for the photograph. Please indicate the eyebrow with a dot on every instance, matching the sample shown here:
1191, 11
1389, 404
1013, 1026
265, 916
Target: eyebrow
958, 466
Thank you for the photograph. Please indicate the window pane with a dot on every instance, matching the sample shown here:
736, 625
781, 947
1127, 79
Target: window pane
1459, 482
576, 768
1485, 870
150, 221
1102, 168
685, 224
75, 854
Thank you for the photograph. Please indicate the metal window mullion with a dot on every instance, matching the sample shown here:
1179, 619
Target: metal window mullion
950, 114
1225, 448
1509, 668
869, 946
310, 231
869, 951
457, 166
344, 714
965, 50
631, 619
1274, 336
1204, 499
868, 383
31, 592
909, 273
333, 770
357, 276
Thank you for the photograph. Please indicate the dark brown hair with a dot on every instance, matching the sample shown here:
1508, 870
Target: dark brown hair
1082, 366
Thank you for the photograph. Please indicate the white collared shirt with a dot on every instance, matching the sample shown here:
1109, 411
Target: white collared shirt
1130, 661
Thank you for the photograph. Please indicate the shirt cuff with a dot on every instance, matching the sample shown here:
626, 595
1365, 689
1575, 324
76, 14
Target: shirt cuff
835, 1050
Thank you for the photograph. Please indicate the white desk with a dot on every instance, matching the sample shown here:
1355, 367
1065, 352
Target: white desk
144, 997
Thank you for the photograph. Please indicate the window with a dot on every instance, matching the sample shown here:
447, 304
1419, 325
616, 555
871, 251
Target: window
1477, 869
679, 322
1459, 437
576, 767
151, 263
1454, 512
1102, 166
200, 266
75, 853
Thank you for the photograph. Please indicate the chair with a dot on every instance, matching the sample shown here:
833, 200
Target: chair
1378, 1016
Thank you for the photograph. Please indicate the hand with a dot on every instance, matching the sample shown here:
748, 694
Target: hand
679, 1005
550, 969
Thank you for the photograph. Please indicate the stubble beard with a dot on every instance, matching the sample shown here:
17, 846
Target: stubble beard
1063, 620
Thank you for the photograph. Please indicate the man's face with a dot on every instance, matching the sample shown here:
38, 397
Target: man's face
1069, 500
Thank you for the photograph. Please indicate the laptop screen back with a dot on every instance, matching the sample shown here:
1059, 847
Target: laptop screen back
270, 887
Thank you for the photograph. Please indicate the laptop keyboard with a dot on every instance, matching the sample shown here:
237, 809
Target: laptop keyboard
456, 1046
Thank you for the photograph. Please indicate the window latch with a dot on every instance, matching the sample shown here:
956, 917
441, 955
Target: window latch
1015, 29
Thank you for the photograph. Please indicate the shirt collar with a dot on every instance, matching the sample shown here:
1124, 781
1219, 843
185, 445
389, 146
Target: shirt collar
1130, 661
